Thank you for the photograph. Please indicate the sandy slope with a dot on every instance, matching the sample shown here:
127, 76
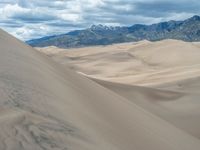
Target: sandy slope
177, 103
168, 73
44, 106
142, 63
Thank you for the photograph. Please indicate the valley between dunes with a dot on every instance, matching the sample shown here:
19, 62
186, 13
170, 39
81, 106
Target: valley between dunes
48, 106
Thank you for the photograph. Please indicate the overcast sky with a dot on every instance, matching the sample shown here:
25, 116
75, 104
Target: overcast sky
28, 19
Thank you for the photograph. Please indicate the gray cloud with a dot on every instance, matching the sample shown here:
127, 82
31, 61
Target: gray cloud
27, 19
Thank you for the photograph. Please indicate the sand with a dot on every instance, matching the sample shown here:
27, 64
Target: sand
178, 105
142, 63
47, 106
162, 77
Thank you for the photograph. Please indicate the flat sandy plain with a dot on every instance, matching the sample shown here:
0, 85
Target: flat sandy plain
48, 106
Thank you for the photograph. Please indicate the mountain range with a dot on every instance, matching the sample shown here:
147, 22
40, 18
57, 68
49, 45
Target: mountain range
187, 30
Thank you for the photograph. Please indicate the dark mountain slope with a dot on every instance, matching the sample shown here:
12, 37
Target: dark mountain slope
188, 30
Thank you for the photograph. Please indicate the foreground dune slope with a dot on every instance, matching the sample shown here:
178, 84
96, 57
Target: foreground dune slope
177, 102
46, 107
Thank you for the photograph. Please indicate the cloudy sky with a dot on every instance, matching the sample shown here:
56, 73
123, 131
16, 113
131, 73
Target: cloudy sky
28, 19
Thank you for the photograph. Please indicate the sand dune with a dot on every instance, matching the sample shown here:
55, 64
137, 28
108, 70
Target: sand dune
44, 105
141, 63
167, 72
178, 105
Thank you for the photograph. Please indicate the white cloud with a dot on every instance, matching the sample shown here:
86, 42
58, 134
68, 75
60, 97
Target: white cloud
31, 30
70, 17
179, 16
28, 19
10, 10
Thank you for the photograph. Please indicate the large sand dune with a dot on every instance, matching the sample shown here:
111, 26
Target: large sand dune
167, 72
141, 63
45, 106
179, 106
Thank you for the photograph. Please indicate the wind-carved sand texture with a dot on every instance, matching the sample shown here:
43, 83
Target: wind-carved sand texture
47, 106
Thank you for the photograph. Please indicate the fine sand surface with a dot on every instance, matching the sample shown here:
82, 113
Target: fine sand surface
176, 104
161, 77
46, 106
141, 63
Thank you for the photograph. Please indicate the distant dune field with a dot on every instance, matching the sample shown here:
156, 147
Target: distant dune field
141, 63
162, 77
